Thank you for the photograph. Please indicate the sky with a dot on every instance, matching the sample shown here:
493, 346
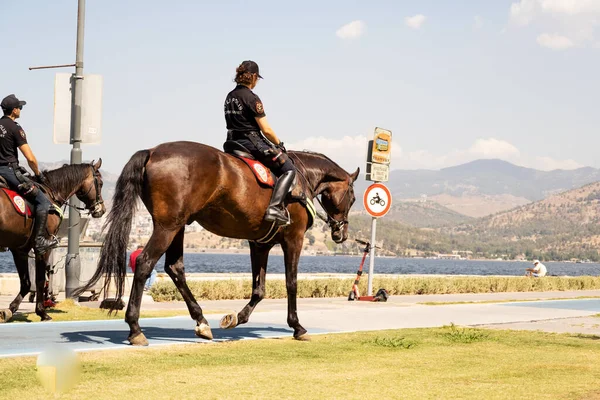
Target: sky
453, 81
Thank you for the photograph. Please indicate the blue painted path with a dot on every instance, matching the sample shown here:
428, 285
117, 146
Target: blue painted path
592, 305
22, 339
327, 316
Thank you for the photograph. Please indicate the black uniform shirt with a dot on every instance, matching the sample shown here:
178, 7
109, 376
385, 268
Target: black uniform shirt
12, 136
242, 106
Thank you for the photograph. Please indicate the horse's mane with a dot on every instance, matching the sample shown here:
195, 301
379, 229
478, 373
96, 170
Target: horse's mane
318, 162
62, 179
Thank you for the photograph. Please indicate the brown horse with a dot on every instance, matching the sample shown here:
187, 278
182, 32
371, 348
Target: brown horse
183, 182
83, 180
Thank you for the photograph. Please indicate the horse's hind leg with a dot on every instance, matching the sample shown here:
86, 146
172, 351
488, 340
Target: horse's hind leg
259, 255
174, 267
21, 262
157, 245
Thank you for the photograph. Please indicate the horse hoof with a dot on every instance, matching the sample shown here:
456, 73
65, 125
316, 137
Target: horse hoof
228, 321
203, 331
303, 338
301, 335
5, 315
138, 340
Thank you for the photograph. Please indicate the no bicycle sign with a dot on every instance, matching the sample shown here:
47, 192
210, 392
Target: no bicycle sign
377, 200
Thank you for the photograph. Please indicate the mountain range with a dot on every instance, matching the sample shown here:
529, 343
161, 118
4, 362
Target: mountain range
484, 187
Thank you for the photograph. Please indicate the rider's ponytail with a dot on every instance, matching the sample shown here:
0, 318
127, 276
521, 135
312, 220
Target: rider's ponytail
243, 76
246, 73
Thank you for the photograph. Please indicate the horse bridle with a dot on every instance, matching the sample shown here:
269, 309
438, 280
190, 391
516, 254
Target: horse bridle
98, 200
333, 223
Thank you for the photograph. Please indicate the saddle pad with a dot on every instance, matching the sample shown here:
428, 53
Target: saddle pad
262, 173
18, 202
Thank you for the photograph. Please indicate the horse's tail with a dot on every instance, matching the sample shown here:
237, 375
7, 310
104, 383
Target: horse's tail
113, 254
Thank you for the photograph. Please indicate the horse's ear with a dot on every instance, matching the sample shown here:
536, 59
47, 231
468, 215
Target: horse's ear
354, 176
98, 164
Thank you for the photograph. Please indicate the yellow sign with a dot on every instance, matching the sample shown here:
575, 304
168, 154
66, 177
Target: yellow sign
382, 146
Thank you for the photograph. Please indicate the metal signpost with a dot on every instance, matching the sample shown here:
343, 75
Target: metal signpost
377, 198
73, 265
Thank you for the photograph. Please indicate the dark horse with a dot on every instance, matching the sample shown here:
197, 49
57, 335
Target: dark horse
83, 180
182, 182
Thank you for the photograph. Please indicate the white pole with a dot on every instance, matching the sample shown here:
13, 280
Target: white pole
372, 257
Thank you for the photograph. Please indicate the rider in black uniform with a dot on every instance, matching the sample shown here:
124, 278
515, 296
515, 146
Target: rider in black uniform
13, 137
246, 119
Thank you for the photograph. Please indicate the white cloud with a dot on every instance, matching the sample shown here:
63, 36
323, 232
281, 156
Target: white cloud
575, 20
570, 7
353, 30
489, 148
549, 164
478, 22
554, 41
416, 21
523, 12
350, 152
493, 148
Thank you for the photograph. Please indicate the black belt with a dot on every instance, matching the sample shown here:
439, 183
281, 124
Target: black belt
6, 164
253, 136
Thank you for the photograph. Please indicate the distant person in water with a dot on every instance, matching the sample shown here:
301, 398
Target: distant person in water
132, 260
538, 270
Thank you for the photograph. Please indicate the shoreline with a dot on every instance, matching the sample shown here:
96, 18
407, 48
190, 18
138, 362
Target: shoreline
278, 252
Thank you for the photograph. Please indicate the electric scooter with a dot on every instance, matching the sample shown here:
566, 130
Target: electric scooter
381, 295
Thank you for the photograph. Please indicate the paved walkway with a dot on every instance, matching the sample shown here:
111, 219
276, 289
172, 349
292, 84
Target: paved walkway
317, 316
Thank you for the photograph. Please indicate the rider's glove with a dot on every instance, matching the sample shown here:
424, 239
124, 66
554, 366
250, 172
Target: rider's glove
282, 147
41, 178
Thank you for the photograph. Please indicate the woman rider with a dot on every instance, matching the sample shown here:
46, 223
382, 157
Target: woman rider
246, 119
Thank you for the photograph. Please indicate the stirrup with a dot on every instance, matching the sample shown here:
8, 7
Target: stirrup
50, 244
277, 218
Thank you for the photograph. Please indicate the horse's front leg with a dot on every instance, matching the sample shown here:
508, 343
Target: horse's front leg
292, 246
259, 255
21, 262
41, 266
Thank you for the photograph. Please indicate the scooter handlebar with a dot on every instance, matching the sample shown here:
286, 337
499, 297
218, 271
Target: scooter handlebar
361, 242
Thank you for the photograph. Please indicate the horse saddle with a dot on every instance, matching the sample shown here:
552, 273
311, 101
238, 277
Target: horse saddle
263, 175
21, 204
266, 177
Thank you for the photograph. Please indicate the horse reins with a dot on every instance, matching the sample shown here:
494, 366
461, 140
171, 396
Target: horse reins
62, 201
333, 223
98, 200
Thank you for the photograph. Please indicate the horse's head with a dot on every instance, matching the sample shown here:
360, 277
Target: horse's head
337, 198
90, 192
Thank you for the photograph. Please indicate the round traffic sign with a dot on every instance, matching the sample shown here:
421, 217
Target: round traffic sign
377, 200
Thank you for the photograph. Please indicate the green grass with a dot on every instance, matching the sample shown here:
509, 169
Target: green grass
67, 310
242, 289
442, 363
464, 335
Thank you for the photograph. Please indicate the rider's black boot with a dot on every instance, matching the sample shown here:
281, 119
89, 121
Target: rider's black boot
42, 244
276, 212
